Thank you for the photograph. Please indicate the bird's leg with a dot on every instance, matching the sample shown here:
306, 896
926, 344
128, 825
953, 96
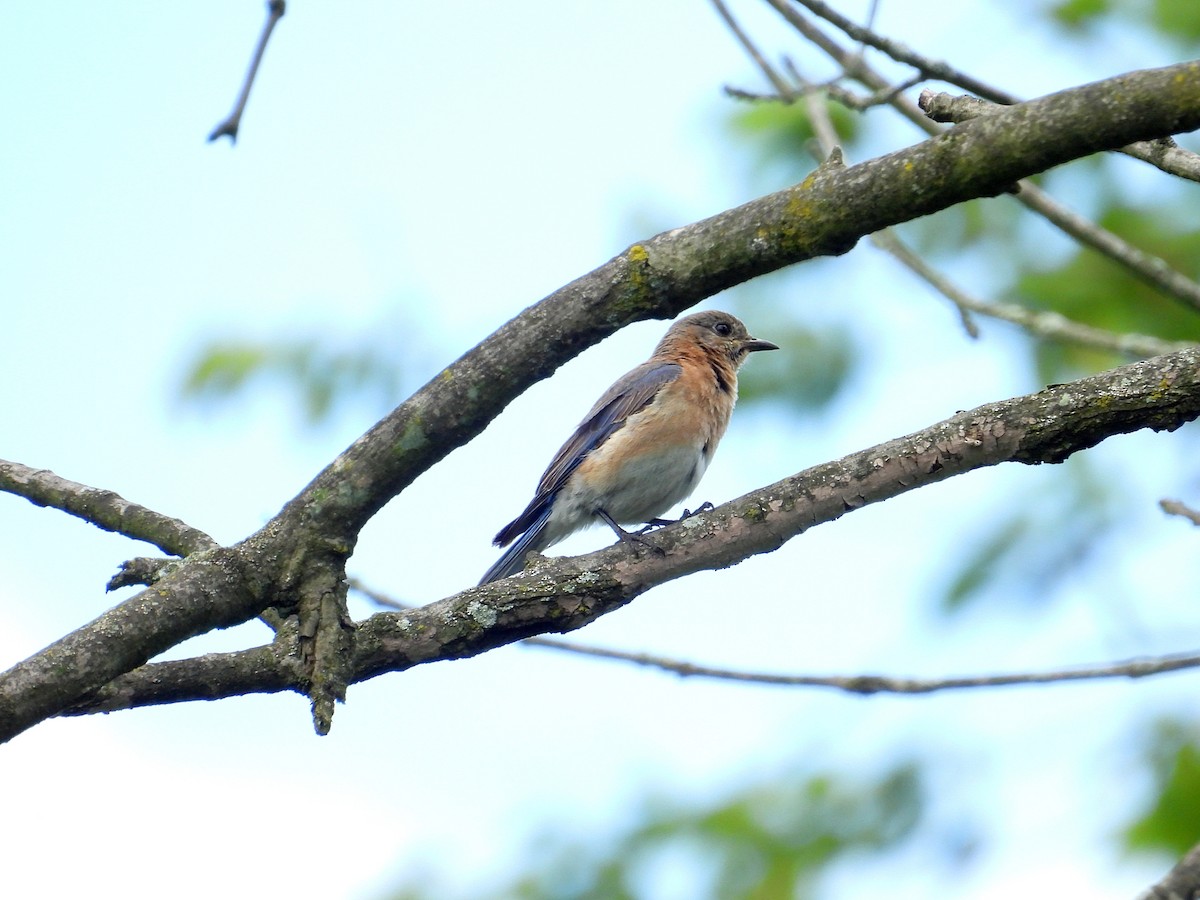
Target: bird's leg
627, 537
687, 514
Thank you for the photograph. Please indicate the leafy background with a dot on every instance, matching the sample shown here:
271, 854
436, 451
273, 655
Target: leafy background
200, 329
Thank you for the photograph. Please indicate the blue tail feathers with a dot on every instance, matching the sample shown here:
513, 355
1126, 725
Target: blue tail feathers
513, 559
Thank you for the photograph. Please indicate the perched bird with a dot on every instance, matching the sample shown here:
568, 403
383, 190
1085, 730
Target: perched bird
645, 444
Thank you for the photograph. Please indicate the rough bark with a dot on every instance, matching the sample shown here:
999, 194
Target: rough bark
296, 563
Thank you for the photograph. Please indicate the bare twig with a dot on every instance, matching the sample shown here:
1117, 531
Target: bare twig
229, 127
299, 556
931, 68
1178, 508
104, 509
1047, 325
1151, 269
1145, 266
1164, 155
777, 81
886, 684
854, 684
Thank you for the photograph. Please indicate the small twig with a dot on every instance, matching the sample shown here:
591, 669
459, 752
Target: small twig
1178, 508
104, 509
1165, 156
931, 68
884, 684
854, 684
1151, 269
229, 127
786, 94
1045, 325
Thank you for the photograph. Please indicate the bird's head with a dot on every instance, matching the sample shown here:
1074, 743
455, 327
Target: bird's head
716, 332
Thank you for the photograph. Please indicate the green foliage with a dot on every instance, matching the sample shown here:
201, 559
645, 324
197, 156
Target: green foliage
1074, 13
807, 377
1179, 19
1171, 823
319, 375
1046, 538
769, 842
780, 136
1092, 289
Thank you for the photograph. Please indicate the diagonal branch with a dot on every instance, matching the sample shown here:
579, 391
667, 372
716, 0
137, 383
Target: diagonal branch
1181, 883
104, 509
229, 126
300, 554
1164, 155
563, 594
1151, 269
824, 215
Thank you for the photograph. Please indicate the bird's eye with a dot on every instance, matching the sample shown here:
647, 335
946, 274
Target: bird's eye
723, 328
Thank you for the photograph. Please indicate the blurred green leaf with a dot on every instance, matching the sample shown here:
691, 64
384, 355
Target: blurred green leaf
780, 136
814, 368
318, 375
1074, 13
1092, 289
769, 842
1171, 824
1029, 552
978, 569
1179, 19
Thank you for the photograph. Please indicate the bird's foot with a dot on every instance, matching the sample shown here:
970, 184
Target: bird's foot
632, 539
687, 514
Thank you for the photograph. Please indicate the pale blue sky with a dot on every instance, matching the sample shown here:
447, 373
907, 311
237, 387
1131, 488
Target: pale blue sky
433, 170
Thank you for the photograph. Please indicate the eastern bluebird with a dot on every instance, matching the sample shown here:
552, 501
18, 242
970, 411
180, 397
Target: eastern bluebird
645, 444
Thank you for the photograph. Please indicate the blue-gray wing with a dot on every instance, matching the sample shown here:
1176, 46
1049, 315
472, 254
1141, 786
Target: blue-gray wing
631, 393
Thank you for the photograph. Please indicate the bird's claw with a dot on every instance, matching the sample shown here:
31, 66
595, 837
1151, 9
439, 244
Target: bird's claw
687, 514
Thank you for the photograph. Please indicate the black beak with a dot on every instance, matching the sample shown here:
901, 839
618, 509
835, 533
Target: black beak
753, 344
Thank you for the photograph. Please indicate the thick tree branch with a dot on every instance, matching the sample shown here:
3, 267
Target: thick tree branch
298, 559
824, 215
1164, 155
1181, 883
104, 509
1150, 269
563, 594
1046, 325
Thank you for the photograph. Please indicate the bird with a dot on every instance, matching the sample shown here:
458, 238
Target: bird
643, 446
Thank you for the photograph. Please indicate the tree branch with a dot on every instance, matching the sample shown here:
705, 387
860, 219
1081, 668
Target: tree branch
1151, 269
1178, 508
659, 278
298, 558
1045, 325
563, 594
1181, 883
1165, 156
104, 509
229, 126
887, 684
